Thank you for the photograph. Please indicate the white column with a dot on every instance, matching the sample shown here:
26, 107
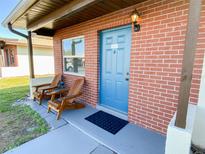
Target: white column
31, 88
201, 101
178, 140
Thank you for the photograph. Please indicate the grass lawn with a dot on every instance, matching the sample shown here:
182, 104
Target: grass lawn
18, 124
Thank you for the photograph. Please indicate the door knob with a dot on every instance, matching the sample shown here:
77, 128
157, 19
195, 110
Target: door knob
127, 74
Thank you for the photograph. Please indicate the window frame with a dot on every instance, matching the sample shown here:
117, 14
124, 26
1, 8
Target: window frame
70, 38
7, 56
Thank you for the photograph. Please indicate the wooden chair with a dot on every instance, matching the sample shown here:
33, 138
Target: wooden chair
66, 102
42, 90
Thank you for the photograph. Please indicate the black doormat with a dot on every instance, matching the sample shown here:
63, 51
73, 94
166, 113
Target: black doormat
107, 121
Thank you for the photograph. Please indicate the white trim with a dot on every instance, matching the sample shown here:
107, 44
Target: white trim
178, 140
74, 56
20, 8
113, 112
75, 37
201, 100
76, 74
83, 57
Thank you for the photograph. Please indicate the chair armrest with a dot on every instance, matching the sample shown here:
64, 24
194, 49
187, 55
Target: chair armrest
49, 88
72, 96
42, 85
57, 91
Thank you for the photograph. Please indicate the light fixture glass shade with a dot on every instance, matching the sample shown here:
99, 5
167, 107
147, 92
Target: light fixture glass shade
136, 20
135, 17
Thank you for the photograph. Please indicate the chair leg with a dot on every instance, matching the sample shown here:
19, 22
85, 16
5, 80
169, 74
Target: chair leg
58, 115
49, 109
40, 100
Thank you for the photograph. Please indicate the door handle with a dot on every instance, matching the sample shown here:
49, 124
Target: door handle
127, 78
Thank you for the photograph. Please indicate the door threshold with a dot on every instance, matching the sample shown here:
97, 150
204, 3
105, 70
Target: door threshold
113, 112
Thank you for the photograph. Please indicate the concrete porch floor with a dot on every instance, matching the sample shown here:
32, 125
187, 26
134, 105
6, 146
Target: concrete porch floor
73, 134
131, 139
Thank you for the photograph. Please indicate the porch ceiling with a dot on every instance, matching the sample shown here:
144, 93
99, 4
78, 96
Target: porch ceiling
100, 8
46, 16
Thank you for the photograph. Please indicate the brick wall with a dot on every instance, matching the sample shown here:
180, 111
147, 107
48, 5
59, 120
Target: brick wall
156, 59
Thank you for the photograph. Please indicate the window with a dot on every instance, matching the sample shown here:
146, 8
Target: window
10, 57
73, 55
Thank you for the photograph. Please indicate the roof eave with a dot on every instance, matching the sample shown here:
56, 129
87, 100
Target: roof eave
21, 7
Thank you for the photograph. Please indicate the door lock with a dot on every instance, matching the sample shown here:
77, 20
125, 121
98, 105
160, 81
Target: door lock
127, 78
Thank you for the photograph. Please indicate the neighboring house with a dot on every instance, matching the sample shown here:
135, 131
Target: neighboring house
136, 75
14, 57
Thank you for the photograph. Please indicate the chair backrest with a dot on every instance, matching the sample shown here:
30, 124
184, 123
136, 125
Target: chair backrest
76, 86
56, 80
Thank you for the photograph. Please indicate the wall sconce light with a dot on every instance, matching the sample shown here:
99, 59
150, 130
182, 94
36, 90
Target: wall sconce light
136, 20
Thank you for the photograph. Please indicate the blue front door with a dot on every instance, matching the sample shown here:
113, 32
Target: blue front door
115, 63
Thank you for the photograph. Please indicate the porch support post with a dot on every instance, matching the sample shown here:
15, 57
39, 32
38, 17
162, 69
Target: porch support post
188, 62
30, 55
31, 67
30, 48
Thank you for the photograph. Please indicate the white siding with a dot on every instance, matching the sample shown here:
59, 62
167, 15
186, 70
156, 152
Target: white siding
43, 62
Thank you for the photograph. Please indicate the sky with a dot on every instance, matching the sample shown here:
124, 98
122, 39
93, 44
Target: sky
6, 7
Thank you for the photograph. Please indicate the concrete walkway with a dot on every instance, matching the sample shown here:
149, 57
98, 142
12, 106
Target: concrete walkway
64, 140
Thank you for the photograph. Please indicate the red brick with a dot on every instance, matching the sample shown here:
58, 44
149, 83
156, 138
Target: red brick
156, 59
